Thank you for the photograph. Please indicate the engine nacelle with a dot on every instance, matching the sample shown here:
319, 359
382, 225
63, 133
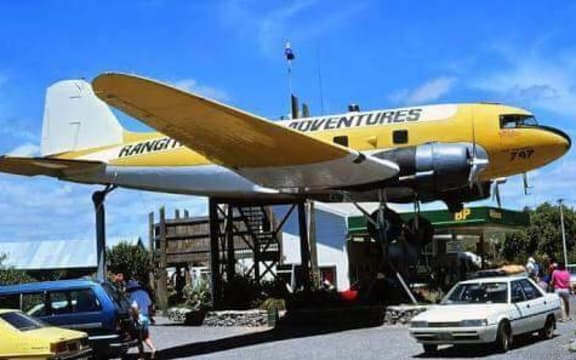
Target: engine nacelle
434, 167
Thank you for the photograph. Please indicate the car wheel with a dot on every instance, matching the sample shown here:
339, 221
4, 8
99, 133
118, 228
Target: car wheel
503, 337
430, 348
547, 332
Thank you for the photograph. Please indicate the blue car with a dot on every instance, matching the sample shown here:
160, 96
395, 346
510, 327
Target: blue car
96, 308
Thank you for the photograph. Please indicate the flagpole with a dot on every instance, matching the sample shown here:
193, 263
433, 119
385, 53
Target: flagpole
289, 54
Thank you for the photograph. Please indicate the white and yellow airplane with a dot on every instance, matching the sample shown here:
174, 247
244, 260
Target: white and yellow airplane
437, 152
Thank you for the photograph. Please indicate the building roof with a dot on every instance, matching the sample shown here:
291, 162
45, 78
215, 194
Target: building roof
54, 254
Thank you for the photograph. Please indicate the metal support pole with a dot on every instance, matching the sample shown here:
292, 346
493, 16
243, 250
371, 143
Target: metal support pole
304, 245
215, 253
482, 254
231, 261
311, 225
98, 198
162, 293
563, 231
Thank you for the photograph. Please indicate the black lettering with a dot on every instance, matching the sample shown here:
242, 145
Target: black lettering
316, 124
359, 119
161, 144
304, 125
125, 151
400, 116
148, 146
387, 117
293, 125
344, 121
414, 115
136, 149
373, 118
330, 124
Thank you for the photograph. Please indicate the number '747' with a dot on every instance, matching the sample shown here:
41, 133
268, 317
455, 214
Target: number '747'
521, 154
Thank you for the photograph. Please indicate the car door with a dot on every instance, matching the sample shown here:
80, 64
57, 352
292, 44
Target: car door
536, 305
518, 300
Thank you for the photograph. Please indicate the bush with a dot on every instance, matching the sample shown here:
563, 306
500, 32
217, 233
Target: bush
11, 276
131, 260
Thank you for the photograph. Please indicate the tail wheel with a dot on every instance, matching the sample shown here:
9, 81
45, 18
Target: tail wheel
547, 332
503, 337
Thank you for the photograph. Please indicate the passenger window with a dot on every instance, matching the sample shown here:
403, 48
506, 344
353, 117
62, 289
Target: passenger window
517, 295
400, 136
34, 304
530, 290
84, 301
10, 301
60, 302
341, 140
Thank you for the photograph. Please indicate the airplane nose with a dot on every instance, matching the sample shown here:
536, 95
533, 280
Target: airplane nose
558, 140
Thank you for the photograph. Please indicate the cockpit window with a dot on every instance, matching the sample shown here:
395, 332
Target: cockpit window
511, 121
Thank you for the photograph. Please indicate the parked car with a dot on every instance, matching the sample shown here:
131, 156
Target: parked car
488, 310
572, 270
94, 307
25, 337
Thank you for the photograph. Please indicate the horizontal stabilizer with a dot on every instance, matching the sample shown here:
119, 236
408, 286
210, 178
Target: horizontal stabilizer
44, 166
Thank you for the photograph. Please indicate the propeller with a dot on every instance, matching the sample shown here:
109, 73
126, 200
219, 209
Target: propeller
496, 190
477, 159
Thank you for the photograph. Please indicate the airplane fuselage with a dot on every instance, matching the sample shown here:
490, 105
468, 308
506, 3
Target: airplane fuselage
514, 144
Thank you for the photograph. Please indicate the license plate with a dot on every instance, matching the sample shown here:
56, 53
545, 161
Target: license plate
444, 336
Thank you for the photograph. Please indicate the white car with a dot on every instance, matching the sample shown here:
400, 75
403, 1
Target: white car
488, 310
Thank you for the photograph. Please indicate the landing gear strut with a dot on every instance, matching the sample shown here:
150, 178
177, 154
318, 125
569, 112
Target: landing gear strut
98, 198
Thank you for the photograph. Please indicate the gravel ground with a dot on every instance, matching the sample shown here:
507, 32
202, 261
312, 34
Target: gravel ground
384, 342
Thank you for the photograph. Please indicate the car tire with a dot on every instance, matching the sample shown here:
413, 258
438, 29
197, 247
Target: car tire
503, 337
430, 348
547, 332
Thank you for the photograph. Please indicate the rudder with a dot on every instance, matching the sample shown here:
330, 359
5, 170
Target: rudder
75, 119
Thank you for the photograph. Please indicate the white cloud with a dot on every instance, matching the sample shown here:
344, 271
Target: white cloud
211, 92
535, 80
429, 91
25, 150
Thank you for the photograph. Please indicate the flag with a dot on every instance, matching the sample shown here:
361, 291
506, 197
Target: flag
289, 53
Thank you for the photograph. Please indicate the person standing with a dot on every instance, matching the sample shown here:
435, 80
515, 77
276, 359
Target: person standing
138, 295
142, 327
561, 284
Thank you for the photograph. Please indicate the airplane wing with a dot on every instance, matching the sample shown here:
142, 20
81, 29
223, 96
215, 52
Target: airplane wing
45, 166
260, 150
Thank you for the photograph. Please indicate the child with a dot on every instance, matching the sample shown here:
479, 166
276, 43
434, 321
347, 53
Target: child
142, 323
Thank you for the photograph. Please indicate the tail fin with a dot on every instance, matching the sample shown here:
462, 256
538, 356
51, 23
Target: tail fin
75, 119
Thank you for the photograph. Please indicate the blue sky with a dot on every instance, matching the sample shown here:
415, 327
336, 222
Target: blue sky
376, 53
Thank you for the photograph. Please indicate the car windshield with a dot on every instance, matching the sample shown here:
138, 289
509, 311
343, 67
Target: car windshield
21, 321
478, 293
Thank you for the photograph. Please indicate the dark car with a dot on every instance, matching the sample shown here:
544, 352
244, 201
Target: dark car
96, 308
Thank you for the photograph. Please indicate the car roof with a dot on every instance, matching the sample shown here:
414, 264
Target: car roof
47, 285
494, 279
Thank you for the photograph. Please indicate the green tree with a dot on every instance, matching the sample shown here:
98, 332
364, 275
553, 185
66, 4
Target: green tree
11, 276
544, 235
131, 260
